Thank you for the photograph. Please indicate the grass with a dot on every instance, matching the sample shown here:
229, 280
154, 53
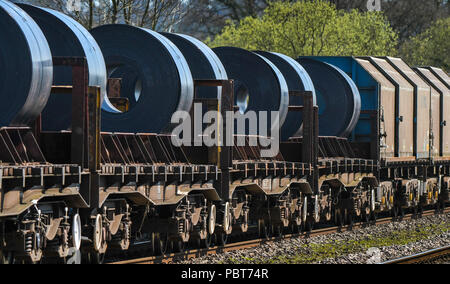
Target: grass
313, 253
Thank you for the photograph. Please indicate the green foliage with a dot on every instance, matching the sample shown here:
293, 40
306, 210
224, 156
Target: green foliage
431, 47
316, 27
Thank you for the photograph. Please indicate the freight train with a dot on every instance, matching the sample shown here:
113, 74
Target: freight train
87, 160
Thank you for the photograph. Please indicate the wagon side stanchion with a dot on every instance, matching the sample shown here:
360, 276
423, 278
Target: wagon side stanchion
224, 151
85, 135
93, 142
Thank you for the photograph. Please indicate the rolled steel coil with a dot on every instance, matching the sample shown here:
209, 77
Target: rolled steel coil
338, 98
68, 38
155, 78
25, 65
203, 63
298, 80
259, 84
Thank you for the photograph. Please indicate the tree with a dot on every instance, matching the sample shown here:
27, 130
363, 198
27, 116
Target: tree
407, 17
208, 17
311, 28
431, 47
412, 17
161, 15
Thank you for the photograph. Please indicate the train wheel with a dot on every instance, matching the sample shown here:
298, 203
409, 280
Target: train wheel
159, 243
99, 236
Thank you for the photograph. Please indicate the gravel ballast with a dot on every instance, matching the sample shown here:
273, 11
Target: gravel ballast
372, 244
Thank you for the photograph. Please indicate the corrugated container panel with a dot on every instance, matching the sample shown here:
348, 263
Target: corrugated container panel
387, 109
435, 122
441, 75
404, 108
444, 110
422, 100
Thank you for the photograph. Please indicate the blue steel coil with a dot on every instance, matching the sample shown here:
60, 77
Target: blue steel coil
68, 38
298, 80
25, 65
259, 84
155, 77
338, 98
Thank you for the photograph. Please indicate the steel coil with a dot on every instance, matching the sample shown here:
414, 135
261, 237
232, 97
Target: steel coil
68, 38
338, 98
155, 78
203, 63
298, 80
259, 84
25, 65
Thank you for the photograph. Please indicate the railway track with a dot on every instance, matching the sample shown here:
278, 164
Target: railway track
424, 257
171, 258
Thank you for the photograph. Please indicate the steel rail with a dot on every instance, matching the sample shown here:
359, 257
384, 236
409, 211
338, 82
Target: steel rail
421, 257
170, 258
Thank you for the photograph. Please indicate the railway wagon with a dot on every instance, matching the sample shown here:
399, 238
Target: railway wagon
89, 166
383, 84
442, 116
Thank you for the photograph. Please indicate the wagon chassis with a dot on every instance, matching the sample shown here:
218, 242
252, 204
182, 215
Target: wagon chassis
129, 188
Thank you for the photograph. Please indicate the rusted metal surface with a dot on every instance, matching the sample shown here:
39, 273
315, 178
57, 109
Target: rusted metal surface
224, 151
114, 91
122, 104
114, 86
140, 149
93, 127
19, 147
79, 105
404, 110
332, 147
422, 115
308, 153
252, 153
